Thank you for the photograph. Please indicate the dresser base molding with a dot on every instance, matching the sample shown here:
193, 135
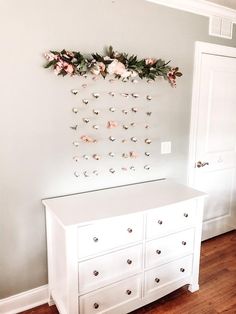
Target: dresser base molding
114, 257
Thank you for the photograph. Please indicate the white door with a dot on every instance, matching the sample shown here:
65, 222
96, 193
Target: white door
213, 136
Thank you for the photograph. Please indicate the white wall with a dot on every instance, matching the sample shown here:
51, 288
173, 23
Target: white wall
35, 109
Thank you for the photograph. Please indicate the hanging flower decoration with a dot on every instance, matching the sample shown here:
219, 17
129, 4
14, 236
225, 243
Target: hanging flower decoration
121, 65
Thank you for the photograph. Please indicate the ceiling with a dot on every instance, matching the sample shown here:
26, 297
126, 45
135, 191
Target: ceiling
227, 3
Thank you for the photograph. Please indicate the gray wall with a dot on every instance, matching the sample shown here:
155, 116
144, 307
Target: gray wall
35, 157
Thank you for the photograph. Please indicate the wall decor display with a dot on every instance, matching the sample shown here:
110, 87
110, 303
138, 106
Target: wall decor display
112, 125
110, 122
121, 65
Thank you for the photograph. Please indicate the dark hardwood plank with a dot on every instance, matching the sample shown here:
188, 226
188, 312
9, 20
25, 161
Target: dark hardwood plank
217, 292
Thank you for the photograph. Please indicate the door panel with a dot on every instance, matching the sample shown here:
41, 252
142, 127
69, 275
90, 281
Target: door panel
216, 142
218, 185
221, 124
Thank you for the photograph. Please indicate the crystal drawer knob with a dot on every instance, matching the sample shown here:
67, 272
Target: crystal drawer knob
157, 280
95, 239
158, 252
96, 305
182, 270
129, 230
186, 215
128, 292
96, 273
160, 222
129, 261
184, 242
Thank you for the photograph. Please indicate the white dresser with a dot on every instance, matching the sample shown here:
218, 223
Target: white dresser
115, 250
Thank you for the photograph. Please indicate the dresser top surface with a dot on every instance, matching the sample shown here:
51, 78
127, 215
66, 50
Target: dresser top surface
85, 207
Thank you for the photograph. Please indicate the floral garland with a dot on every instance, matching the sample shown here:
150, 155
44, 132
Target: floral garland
121, 65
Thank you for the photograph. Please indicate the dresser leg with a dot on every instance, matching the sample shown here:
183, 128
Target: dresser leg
193, 287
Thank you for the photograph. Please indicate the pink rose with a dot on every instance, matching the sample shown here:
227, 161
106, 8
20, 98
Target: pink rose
150, 61
68, 68
62, 65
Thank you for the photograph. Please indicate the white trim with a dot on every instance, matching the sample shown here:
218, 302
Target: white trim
209, 230
200, 7
212, 10
201, 48
24, 301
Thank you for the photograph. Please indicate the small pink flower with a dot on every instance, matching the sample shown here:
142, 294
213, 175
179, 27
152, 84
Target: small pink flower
172, 77
58, 67
87, 139
150, 61
102, 66
97, 68
112, 124
133, 154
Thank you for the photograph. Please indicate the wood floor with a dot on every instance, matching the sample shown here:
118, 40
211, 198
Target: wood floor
217, 292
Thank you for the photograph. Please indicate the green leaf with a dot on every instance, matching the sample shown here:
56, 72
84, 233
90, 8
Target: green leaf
49, 64
110, 52
103, 74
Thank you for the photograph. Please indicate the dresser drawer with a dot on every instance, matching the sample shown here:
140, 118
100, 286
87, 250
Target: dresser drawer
163, 275
105, 269
106, 300
165, 249
109, 234
170, 219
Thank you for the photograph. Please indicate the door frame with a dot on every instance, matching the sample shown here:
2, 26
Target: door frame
202, 48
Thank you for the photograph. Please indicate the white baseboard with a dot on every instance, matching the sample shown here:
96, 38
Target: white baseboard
24, 301
216, 226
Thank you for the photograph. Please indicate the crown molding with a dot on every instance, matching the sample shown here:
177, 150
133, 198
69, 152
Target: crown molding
200, 7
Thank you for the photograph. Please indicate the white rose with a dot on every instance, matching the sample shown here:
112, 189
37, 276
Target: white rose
126, 74
112, 66
134, 73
